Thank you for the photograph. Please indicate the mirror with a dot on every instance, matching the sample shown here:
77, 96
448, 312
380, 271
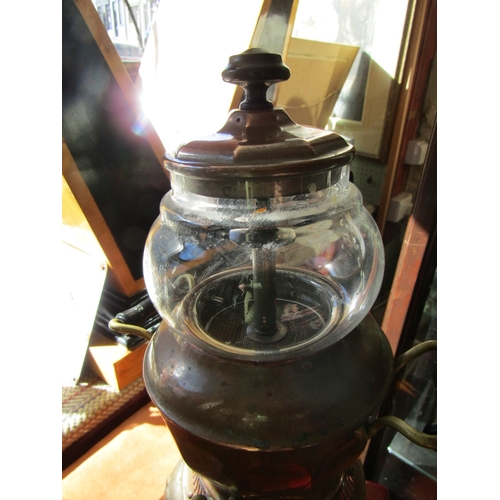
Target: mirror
365, 108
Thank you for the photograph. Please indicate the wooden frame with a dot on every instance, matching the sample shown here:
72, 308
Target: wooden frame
420, 231
111, 155
421, 51
411, 284
80, 210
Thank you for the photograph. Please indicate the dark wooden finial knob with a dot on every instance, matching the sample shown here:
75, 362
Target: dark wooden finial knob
255, 70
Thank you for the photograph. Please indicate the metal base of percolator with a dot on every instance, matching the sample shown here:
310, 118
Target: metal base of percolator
184, 484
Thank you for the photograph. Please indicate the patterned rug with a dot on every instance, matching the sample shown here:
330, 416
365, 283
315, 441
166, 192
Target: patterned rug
89, 403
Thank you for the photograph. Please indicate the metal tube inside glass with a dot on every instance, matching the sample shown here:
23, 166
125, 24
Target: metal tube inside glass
263, 290
260, 287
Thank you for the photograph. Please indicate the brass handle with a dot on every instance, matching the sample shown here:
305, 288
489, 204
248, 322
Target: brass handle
417, 437
413, 353
118, 326
127, 321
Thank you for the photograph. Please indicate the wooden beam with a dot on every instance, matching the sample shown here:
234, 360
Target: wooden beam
418, 232
122, 77
112, 157
415, 75
81, 201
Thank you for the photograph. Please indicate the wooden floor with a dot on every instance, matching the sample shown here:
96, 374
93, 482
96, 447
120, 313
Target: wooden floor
132, 463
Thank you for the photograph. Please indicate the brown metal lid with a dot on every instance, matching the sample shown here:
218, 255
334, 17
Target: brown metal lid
260, 152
